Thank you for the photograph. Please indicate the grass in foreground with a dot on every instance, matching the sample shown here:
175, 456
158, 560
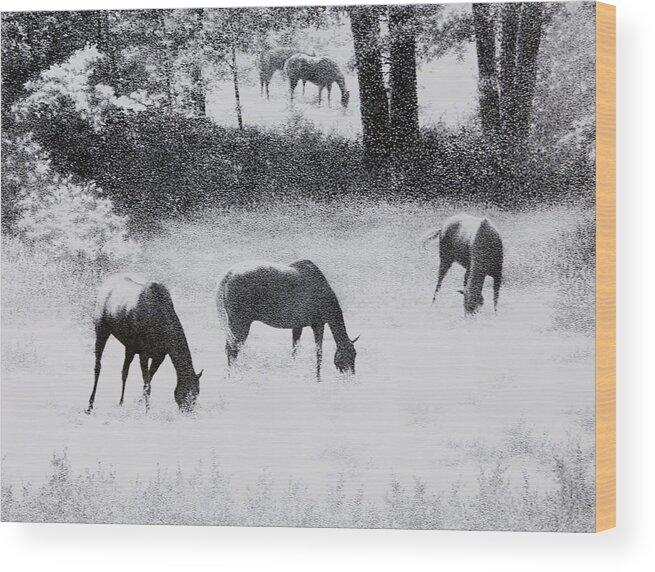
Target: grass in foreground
209, 496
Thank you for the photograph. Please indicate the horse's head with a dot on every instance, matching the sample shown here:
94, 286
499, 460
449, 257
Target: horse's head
473, 301
187, 391
345, 98
344, 358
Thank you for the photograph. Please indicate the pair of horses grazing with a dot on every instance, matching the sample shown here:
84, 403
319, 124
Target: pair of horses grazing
474, 243
298, 66
140, 314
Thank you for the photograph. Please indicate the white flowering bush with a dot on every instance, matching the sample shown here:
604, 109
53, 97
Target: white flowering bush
71, 220
70, 84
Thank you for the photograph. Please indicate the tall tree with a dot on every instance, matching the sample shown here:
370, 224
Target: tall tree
374, 107
485, 45
403, 104
525, 79
510, 19
507, 83
196, 65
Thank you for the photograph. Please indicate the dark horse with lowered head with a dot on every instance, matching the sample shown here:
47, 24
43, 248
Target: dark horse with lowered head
289, 297
140, 315
321, 71
474, 243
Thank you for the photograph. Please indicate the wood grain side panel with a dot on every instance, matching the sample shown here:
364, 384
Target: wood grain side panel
605, 266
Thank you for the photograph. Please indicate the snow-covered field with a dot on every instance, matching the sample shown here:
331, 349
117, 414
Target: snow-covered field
466, 410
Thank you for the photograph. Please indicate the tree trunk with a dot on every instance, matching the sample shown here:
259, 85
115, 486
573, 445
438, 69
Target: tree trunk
511, 14
237, 97
485, 44
374, 107
526, 66
168, 61
197, 84
197, 89
403, 105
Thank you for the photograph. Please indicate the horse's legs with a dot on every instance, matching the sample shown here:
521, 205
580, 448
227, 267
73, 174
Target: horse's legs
129, 356
293, 82
240, 333
304, 83
155, 363
231, 353
329, 90
444, 266
466, 277
143, 360
497, 281
318, 339
295, 338
320, 93
102, 336
268, 95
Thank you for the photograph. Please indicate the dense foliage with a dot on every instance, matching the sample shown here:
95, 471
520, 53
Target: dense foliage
120, 108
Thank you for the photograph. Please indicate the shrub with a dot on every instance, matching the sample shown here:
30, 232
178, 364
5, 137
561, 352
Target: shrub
206, 495
155, 162
70, 220
62, 216
460, 162
25, 167
574, 253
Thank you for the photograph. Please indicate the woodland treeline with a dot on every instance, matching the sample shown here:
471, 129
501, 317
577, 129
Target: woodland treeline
112, 104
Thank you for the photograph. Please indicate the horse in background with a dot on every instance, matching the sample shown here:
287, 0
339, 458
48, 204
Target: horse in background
321, 71
140, 315
272, 61
289, 297
474, 243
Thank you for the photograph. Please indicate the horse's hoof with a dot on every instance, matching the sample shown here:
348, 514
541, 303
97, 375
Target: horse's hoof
88, 411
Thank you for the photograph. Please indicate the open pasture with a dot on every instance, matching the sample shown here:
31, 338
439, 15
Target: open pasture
439, 402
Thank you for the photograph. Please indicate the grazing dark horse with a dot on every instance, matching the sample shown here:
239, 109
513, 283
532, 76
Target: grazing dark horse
280, 296
474, 243
140, 315
320, 71
272, 61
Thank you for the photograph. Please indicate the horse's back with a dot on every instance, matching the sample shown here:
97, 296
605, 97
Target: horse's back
306, 266
136, 311
320, 70
275, 58
457, 236
279, 295
119, 294
252, 280
488, 247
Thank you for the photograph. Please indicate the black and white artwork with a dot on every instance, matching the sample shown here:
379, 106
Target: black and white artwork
307, 267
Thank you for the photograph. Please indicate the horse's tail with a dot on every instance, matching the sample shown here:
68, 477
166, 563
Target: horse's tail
221, 306
431, 236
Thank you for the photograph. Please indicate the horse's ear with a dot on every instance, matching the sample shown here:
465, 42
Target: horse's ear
200, 374
461, 292
353, 341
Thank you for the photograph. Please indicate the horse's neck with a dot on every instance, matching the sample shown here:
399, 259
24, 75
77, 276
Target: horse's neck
179, 351
338, 327
476, 280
